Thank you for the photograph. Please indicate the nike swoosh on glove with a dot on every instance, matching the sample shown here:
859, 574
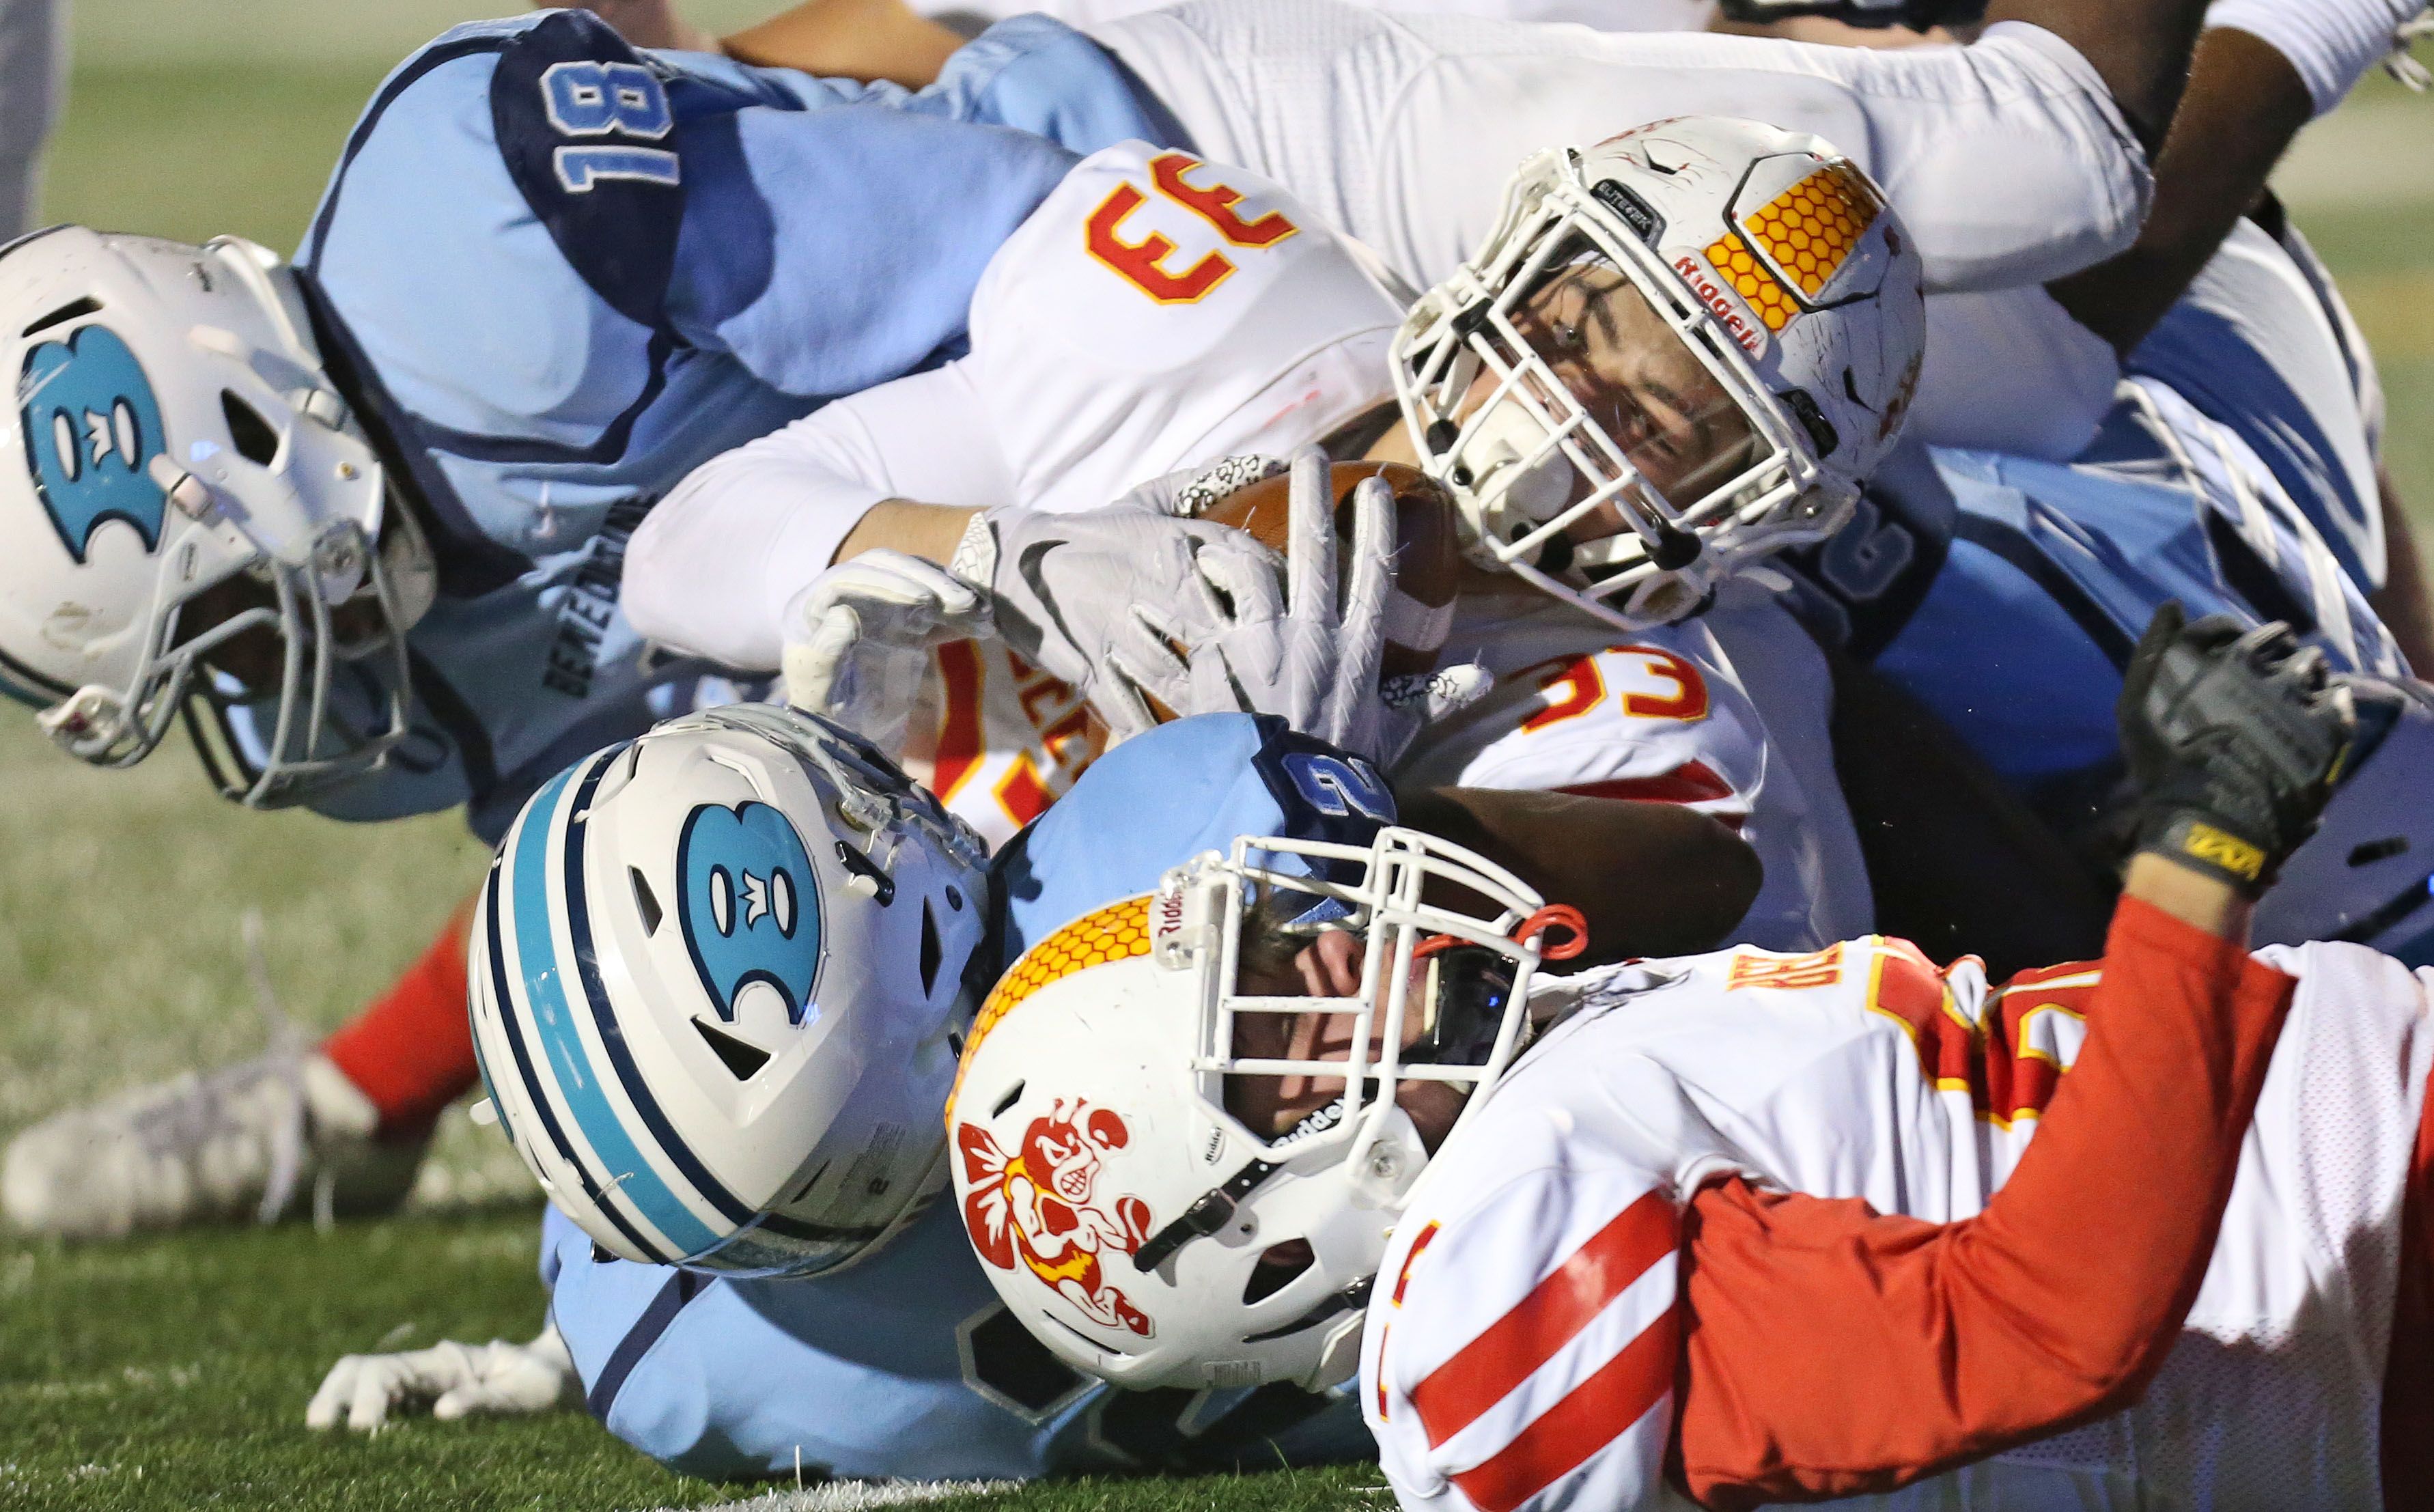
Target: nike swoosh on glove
859, 638
497, 1378
1111, 601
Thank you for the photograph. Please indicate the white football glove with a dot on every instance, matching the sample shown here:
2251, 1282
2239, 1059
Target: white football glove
858, 640
1111, 601
1311, 657
497, 1378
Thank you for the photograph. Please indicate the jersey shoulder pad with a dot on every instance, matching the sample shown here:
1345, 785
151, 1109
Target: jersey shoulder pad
1162, 797
1658, 716
1523, 1333
588, 132
1145, 255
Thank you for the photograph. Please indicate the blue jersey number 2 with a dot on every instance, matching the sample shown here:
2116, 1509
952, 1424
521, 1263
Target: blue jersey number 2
591, 99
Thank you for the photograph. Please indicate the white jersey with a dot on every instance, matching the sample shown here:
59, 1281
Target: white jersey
1156, 314
1861, 1070
2008, 161
1667, 714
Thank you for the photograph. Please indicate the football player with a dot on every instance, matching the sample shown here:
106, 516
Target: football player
717, 991
1160, 314
359, 519
1751, 1227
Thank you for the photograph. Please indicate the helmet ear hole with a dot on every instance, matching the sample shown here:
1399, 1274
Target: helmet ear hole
1279, 1266
247, 431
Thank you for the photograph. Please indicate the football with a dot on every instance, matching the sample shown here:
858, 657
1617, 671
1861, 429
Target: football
1427, 560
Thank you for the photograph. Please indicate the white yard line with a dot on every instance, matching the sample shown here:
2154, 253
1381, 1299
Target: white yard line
861, 1496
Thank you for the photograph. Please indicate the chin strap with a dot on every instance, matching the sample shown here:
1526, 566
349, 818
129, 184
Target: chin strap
1210, 1212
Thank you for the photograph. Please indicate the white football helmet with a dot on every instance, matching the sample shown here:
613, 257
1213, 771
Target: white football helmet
191, 519
1142, 1231
1762, 319
716, 990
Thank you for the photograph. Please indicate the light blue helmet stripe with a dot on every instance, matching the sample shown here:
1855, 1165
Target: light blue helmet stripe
503, 1004
603, 1014
561, 1044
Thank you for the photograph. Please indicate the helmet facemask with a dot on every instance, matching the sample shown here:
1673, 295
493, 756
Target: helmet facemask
1670, 438
1440, 1000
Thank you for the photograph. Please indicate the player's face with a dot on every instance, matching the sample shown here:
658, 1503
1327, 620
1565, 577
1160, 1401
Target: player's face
255, 657
1330, 965
1635, 379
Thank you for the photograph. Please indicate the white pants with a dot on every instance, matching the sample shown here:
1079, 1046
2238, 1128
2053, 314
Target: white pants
33, 60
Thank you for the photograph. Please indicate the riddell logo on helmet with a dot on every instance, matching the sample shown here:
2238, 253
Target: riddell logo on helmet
1737, 324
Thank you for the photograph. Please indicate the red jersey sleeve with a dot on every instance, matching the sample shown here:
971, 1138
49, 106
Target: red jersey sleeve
1831, 1350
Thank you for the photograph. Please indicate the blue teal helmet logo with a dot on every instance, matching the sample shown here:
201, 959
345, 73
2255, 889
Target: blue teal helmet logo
749, 904
91, 428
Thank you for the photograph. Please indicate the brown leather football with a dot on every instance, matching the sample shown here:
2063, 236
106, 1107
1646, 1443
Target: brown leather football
1428, 558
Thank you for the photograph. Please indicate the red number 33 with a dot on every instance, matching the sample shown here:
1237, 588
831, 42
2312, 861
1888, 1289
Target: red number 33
1144, 263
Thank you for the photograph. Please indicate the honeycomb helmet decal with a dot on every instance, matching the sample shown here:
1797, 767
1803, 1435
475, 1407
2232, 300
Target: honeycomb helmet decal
1118, 932
1784, 256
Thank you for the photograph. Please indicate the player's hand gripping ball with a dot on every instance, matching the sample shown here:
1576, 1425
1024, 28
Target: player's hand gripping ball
1428, 554
2234, 739
1345, 647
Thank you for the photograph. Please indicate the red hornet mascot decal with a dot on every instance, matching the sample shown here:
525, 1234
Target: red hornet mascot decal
1039, 1206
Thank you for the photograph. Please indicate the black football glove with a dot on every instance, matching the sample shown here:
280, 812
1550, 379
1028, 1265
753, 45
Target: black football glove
2234, 739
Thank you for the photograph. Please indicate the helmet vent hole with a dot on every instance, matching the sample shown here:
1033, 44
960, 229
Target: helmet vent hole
1279, 1266
645, 899
931, 952
249, 432
1013, 1095
744, 1059
63, 314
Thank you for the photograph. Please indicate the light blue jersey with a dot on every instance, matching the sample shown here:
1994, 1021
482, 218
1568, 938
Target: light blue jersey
2054, 570
2007, 595
906, 1363
556, 274
2234, 474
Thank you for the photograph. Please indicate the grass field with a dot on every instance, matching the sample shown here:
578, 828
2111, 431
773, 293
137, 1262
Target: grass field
173, 1373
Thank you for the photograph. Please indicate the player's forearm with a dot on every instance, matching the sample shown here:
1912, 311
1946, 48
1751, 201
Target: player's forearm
2053, 1306
2245, 104
868, 40
1650, 879
711, 569
929, 531
2194, 898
